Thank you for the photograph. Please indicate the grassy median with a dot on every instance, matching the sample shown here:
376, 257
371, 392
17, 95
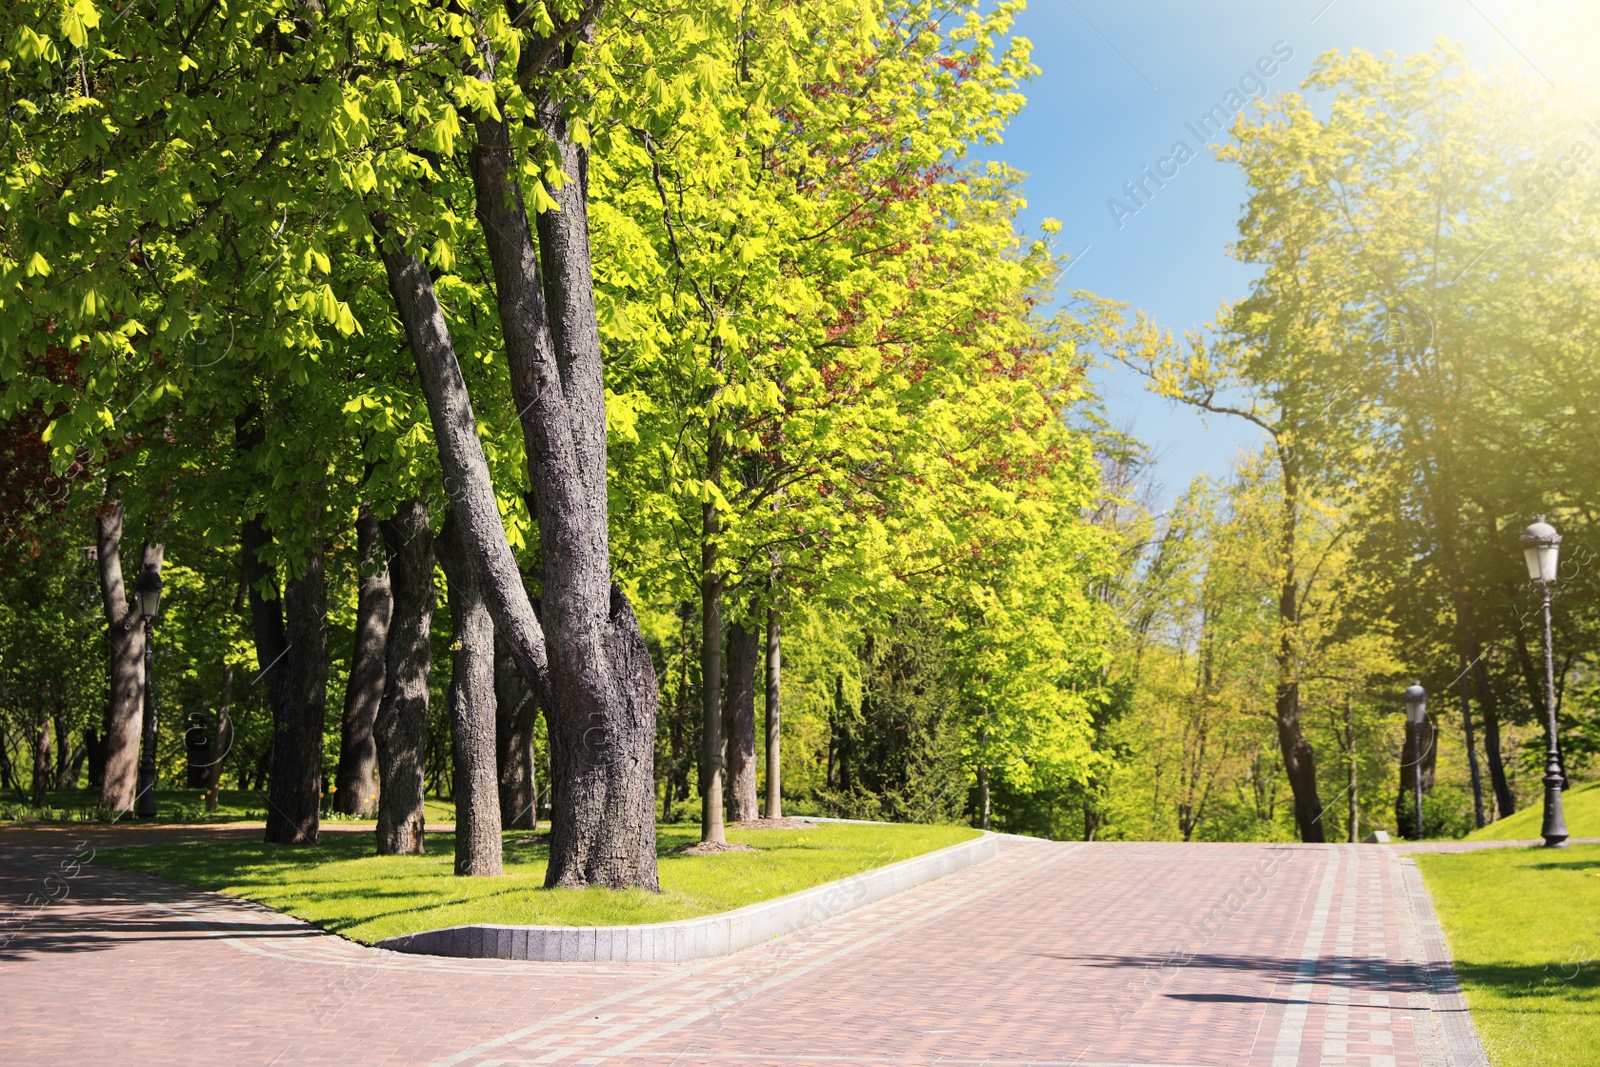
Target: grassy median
1524, 928
341, 886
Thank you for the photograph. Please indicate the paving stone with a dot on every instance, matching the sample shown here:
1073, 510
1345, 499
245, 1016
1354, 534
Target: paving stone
1049, 955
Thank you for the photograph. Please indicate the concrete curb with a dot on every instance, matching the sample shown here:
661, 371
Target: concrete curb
692, 939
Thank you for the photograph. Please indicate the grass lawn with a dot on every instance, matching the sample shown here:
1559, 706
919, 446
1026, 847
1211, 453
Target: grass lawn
1524, 928
1581, 805
174, 806
341, 886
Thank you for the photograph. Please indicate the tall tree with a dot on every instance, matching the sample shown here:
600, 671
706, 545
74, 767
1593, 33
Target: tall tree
472, 712
356, 791
402, 722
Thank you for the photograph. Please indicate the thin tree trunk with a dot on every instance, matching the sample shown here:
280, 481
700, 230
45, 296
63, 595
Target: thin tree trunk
516, 712
41, 761
744, 653
711, 738
983, 797
119, 754
401, 728
222, 739
774, 706
1464, 689
294, 788
1505, 802
677, 776
69, 757
472, 711
356, 787
1299, 764
95, 749
1352, 784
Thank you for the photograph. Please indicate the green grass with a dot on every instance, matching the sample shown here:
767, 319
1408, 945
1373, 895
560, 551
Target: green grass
1524, 928
173, 806
1581, 805
340, 886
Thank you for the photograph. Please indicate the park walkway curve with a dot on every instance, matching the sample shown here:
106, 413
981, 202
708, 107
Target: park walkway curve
1051, 955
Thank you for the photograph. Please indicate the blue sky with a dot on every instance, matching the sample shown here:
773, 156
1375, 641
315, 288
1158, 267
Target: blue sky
1120, 78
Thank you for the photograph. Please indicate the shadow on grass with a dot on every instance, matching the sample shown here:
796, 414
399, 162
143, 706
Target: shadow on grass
1568, 986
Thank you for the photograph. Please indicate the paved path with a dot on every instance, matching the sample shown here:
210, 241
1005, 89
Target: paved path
1049, 955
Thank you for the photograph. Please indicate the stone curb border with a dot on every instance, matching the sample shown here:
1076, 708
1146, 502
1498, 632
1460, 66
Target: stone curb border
1462, 1047
692, 939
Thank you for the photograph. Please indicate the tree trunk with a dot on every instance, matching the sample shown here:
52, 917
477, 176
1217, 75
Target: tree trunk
294, 789
591, 668
69, 757
95, 749
119, 753
774, 753
744, 653
472, 711
516, 712
983, 797
1464, 690
356, 788
41, 761
222, 739
401, 727
1352, 784
197, 748
1505, 803
711, 819
1299, 764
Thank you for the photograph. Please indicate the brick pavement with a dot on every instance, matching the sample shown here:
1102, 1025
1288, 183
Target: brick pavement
1101, 955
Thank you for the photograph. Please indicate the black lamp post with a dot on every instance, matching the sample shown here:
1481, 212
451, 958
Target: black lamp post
1541, 546
148, 592
1416, 714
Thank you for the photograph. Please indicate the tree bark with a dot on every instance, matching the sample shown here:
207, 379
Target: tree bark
516, 712
356, 787
1464, 690
774, 706
294, 788
712, 828
119, 754
744, 653
591, 669
41, 761
95, 748
472, 711
1505, 802
1352, 783
401, 728
983, 797
69, 757
222, 739
1299, 763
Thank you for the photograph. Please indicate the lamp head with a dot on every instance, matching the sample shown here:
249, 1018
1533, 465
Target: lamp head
1541, 547
1416, 704
148, 591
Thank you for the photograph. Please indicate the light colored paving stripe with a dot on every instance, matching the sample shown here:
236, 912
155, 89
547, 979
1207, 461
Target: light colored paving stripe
1286, 1052
1424, 1025
919, 1061
1462, 1047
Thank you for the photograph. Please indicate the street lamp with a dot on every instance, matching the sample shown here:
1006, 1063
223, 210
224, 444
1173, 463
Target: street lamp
1416, 699
147, 591
1541, 545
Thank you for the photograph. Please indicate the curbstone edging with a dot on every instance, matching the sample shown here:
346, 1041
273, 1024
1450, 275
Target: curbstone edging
689, 939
